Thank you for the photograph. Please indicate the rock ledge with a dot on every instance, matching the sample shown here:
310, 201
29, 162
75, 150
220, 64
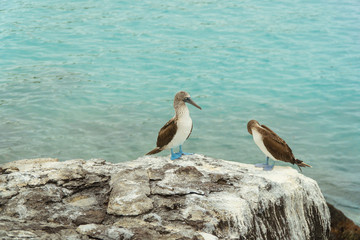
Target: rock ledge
196, 197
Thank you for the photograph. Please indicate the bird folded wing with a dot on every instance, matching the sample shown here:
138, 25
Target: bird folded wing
273, 135
190, 131
166, 133
279, 150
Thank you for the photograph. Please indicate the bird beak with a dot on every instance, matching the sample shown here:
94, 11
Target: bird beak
189, 100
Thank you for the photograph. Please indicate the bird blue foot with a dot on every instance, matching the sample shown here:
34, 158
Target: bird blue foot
261, 165
175, 155
178, 154
183, 153
266, 165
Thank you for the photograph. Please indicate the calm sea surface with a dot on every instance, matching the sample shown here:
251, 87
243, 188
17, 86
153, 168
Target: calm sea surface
96, 79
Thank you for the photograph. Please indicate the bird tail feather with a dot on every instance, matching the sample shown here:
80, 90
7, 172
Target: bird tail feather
155, 150
300, 163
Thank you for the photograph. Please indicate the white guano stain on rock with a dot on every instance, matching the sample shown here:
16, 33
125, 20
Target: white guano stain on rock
208, 236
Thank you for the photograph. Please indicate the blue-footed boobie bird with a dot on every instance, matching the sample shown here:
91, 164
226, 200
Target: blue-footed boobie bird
272, 146
178, 129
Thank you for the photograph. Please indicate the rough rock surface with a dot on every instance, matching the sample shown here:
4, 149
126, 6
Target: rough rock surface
341, 226
196, 197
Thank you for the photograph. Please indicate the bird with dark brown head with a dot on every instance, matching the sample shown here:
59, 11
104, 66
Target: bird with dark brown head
272, 146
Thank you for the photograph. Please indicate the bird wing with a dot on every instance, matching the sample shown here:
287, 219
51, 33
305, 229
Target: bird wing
166, 133
273, 135
190, 131
277, 146
279, 151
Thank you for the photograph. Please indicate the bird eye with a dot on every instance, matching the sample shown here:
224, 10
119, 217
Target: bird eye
186, 99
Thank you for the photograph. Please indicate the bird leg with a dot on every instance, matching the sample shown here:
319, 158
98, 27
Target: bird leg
269, 167
174, 155
261, 165
266, 165
183, 153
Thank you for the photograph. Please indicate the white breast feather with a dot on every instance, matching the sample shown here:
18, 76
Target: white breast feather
184, 125
259, 142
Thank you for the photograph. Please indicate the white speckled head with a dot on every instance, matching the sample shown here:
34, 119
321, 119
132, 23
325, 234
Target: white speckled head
183, 97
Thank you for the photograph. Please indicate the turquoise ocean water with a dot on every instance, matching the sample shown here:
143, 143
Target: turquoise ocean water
96, 79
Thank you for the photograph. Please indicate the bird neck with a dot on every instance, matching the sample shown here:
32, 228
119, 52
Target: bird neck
182, 111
